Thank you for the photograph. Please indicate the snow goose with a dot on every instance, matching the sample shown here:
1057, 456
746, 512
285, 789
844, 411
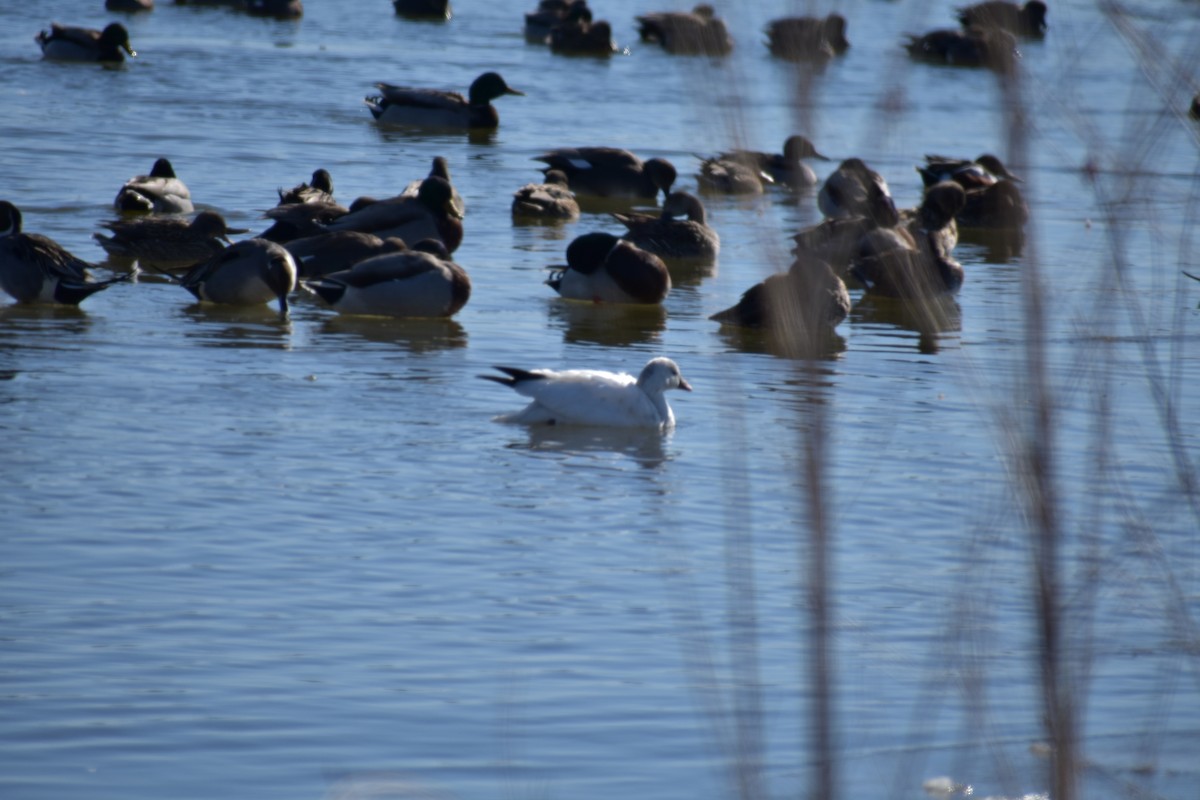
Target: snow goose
595, 397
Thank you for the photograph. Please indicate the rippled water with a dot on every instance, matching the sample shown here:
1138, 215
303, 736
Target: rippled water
245, 557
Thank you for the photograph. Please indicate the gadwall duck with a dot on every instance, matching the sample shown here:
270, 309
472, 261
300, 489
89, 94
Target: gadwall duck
809, 292
37, 269
785, 168
551, 200
422, 282
326, 253
695, 32
1023, 20
856, 190
671, 238
247, 273
808, 39
319, 190
595, 397
167, 241
160, 192
67, 43
404, 105
432, 214
423, 9
611, 172
989, 48
604, 269
721, 175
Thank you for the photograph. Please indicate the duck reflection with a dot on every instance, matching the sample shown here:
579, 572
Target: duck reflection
242, 327
690, 272
767, 341
415, 335
999, 245
44, 319
608, 323
645, 448
929, 318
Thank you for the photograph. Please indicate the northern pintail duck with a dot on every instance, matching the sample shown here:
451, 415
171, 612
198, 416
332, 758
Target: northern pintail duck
696, 32
1023, 20
422, 282
578, 35
247, 273
1000, 206
298, 220
787, 167
604, 269
404, 105
160, 192
595, 397
279, 9
320, 190
335, 251
67, 43
37, 269
611, 172
810, 39
129, 6
809, 294
990, 48
856, 190
721, 175
983, 171
551, 200
432, 214
167, 241
668, 237
423, 9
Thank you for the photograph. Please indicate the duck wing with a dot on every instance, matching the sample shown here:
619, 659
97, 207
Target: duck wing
422, 98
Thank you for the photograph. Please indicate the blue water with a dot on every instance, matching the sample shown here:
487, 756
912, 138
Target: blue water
243, 557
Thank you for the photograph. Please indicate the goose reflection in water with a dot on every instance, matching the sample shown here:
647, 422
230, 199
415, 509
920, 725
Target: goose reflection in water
608, 323
647, 449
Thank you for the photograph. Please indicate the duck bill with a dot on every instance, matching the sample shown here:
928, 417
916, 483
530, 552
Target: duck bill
683, 384
128, 49
452, 210
511, 90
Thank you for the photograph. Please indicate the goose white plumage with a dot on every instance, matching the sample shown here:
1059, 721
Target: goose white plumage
595, 397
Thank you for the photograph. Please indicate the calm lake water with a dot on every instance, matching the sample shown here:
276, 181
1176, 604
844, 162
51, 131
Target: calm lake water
250, 558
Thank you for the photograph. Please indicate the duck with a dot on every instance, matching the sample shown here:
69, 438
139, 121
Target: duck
167, 241
809, 39
422, 282
696, 32
440, 168
550, 200
810, 291
279, 9
423, 9
335, 251
932, 225
430, 215
611, 172
540, 22
908, 274
68, 43
129, 6
595, 397
160, 192
319, 190
1022, 20
989, 48
247, 273
604, 269
983, 171
1000, 206
403, 105
720, 175
786, 168
856, 190
578, 35
298, 220
671, 238
37, 269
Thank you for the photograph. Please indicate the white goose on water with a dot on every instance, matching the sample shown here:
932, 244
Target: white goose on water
595, 397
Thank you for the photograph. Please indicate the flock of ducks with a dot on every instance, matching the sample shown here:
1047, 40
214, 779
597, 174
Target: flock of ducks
394, 256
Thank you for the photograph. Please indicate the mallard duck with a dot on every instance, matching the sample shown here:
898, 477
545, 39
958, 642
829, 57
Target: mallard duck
1023, 20
37, 269
403, 105
423, 9
549, 13
595, 397
1000, 206
809, 293
160, 192
983, 171
695, 32
432, 214
67, 43
422, 282
856, 190
785, 168
551, 200
991, 48
320, 190
604, 269
578, 35
247, 273
167, 241
611, 172
811, 39
326, 253
668, 237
